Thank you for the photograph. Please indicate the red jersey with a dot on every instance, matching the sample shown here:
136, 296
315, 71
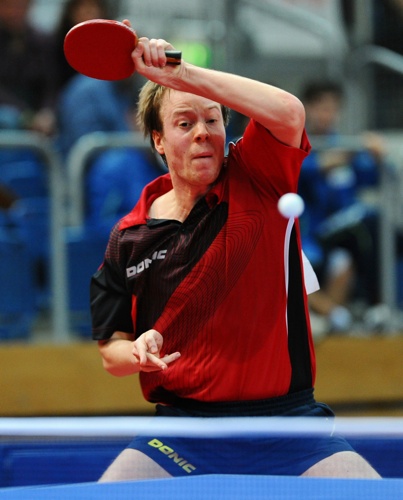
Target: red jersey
225, 287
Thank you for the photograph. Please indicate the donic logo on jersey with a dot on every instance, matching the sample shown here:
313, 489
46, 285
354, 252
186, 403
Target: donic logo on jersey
145, 264
171, 453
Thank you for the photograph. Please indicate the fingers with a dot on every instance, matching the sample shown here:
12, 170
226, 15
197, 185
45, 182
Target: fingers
146, 350
148, 343
153, 342
154, 363
170, 358
374, 143
160, 363
151, 52
154, 54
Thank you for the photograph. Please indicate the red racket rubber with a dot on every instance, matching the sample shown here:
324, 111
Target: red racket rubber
101, 48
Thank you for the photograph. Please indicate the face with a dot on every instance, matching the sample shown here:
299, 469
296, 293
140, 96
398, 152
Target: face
13, 13
323, 114
192, 140
88, 9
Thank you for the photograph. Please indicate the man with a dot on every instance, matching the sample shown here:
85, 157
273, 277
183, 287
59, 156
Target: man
340, 222
27, 82
193, 292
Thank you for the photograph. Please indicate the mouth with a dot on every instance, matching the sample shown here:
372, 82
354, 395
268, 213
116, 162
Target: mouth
202, 156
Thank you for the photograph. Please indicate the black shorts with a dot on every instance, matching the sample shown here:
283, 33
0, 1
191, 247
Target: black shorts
254, 454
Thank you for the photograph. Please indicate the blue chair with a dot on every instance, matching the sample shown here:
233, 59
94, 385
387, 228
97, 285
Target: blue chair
31, 216
27, 179
85, 252
113, 184
17, 291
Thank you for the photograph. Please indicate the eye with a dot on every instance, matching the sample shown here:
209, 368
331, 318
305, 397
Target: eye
184, 124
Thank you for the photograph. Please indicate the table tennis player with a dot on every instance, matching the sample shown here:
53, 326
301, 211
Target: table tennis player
203, 291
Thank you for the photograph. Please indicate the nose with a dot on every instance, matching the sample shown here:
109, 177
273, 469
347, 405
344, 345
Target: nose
201, 131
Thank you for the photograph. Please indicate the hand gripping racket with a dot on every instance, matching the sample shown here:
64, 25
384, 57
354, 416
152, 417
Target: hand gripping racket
101, 48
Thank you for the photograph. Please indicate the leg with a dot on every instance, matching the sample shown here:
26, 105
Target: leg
340, 285
133, 464
345, 464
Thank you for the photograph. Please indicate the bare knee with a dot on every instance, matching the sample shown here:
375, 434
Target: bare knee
344, 464
131, 465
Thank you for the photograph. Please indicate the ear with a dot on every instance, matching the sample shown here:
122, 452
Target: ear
157, 138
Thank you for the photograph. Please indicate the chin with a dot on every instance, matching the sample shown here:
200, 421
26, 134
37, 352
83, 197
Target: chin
209, 178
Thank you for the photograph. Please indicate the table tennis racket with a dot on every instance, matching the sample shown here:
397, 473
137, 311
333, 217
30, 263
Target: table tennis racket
101, 48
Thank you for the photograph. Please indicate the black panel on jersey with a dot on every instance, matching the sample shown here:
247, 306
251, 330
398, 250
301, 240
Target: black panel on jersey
298, 344
187, 245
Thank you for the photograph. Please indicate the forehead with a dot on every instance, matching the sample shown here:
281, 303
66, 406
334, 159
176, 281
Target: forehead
10, 6
328, 99
175, 101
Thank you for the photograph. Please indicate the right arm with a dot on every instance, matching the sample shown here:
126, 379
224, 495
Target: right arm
112, 325
123, 355
277, 110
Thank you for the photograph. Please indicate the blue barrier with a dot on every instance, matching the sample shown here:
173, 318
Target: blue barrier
45, 461
42, 461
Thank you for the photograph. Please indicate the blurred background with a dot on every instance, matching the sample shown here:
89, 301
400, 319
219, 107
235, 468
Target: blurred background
72, 163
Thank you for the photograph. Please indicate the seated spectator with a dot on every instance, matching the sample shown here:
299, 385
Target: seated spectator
88, 105
339, 228
114, 178
114, 182
27, 79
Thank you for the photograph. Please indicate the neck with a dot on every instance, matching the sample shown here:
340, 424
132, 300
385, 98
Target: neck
171, 206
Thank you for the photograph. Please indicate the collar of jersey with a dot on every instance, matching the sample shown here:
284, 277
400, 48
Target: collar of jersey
158, 187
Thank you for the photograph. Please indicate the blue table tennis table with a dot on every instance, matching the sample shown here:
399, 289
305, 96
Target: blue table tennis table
218, 487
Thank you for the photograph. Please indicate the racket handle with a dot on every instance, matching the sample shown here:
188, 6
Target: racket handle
173, 56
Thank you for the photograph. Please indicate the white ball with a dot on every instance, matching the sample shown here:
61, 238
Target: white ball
291, 205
